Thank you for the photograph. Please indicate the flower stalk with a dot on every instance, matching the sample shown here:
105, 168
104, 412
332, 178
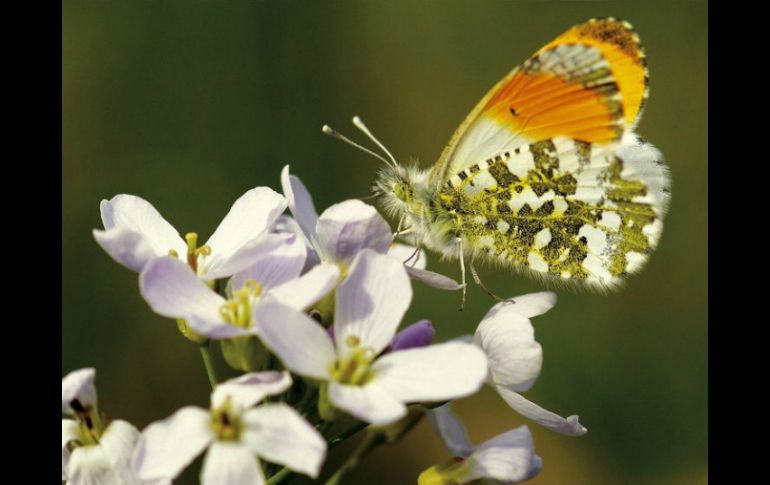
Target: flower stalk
372, 440
208, 362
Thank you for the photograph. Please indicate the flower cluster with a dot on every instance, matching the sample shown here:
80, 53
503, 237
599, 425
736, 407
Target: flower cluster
308, 307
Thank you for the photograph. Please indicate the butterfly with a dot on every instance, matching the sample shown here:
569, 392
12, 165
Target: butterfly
546, 175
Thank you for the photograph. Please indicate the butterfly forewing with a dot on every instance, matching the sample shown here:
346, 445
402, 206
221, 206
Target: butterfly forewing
589, 84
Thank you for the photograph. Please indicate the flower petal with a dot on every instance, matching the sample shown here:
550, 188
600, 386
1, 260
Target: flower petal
127, 247
508, 339
534, 304
451, 430
89, 465
370, 403
250, 216
281, 259
171, 289
367, 310
309, 288
230, 464
218, 330
416, 335
118, 441
279, 434
432, 279
249, 389
136, 214
300, 202
299, 341
287, 224
344, 229
69, 432
107, 462
78, 384
570, 426
437, 373
509, 457
167, 446
269, 246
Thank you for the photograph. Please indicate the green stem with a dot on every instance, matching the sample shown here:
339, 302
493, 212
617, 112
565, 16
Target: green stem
209, 363
347, 434
307, 403
372, 441
283, 474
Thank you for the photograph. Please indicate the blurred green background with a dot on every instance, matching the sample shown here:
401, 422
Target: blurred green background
189, 104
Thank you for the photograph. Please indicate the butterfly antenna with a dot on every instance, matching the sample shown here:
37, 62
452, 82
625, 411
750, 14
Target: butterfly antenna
328, 130
361, 126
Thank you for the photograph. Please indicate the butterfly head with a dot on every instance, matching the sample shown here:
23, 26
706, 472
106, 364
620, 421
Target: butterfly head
401, 190
394, 182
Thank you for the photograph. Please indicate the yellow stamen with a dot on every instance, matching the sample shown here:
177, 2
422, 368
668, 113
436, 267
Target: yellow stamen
226, 423
237, 310
354, 368
192, 246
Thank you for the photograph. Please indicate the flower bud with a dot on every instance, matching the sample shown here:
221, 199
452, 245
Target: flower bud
246, 354
448, 473
189, 334
416, 335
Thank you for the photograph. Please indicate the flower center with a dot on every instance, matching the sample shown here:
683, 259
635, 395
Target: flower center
226, 422
90, 425
193, 251
353, 369
237, 310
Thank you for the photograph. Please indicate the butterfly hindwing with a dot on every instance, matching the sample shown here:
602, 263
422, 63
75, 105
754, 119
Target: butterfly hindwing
589, 84
562, 208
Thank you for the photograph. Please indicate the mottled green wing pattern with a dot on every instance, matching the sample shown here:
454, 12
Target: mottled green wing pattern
562, 208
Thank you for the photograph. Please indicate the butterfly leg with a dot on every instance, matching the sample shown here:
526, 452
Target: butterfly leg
462, 271
477, 280
400, 226
414, 256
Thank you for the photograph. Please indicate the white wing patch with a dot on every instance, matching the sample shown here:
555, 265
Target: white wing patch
563, 208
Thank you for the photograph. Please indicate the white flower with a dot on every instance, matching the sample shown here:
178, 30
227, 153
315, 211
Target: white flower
508, 458
78, 390
369, 306
507, 337
345, 229
91, 453
172, 290
234, 432
135, 233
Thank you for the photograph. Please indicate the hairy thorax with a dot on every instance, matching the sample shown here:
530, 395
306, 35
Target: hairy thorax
408, 195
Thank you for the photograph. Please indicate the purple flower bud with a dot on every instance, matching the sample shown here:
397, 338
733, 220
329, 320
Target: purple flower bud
418, 334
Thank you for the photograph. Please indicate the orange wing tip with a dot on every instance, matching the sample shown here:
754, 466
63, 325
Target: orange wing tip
621, 47
607, 33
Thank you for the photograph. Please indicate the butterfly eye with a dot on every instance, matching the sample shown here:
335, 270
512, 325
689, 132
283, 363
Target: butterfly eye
401, 191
